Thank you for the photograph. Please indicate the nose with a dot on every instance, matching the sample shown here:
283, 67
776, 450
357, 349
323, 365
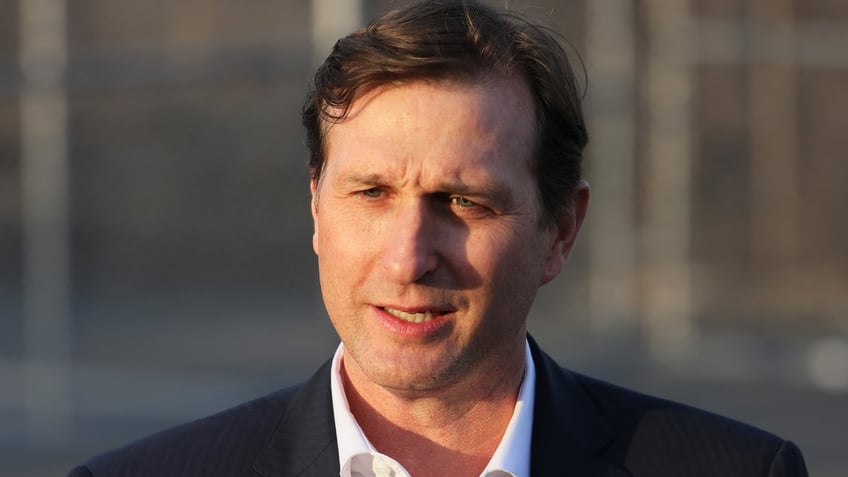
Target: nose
411, 251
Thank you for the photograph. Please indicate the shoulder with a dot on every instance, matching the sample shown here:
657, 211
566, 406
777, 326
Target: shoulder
655, 433
655, 417
222, 444
651, 436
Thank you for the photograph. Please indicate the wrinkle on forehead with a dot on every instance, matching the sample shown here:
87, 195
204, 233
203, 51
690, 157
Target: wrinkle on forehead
487, 114
487, 130
521, 98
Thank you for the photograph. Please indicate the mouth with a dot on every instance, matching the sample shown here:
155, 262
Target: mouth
420, 317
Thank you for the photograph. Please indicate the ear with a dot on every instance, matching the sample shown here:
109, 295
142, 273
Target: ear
313, 207
565, 233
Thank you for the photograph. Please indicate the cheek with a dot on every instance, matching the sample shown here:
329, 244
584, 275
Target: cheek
516, 267
343, 245
501, 250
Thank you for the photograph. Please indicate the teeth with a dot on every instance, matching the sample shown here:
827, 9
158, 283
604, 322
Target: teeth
410, 317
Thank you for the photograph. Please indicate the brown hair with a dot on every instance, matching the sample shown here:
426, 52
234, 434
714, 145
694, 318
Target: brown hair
466, 41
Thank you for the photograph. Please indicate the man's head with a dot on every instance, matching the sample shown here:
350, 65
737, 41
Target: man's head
465, 42
432, 144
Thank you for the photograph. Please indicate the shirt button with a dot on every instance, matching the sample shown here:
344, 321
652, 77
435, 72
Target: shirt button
381, 468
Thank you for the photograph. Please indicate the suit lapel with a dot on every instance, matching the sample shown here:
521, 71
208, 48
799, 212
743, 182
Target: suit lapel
568, 430
304, 441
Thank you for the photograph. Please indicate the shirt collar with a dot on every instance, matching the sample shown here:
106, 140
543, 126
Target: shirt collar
513, 453
511, 458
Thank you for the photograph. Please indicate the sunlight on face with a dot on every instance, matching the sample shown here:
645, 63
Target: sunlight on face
428, 234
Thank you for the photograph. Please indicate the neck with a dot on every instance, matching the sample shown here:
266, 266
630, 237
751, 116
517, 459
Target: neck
437, 432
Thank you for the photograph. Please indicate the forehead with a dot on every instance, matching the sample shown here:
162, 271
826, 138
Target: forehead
489, 122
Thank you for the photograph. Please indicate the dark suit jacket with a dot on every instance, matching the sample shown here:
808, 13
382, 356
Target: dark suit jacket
582, 427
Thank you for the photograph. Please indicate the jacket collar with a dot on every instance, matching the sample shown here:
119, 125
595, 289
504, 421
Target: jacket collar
304, 441
568, 430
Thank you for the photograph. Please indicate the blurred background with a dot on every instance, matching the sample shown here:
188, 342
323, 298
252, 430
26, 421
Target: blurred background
155, 254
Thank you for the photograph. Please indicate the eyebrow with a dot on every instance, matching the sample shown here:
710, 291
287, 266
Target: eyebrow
356, 180
493, 190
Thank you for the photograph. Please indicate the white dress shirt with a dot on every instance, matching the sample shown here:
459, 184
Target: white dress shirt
358, 458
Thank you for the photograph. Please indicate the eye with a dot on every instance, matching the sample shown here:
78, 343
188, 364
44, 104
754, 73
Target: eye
372, 193
462, 202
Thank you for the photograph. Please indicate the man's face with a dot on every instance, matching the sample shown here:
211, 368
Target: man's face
428, 235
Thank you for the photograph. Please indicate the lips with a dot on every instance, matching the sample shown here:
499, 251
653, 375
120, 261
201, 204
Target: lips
410, 317
420, 322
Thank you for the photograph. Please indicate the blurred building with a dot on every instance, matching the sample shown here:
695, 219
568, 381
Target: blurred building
153, 180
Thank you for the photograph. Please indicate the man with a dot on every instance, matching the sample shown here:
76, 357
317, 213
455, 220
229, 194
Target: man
445, 145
